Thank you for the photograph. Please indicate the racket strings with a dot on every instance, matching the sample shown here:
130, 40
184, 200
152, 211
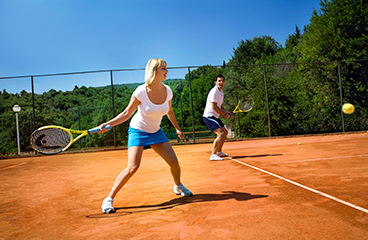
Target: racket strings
246, 104
51, 140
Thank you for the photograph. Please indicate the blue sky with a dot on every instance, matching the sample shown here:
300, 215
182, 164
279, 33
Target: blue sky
59, 36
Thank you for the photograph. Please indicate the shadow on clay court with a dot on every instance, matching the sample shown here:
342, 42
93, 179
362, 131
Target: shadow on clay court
255, 156
239, 196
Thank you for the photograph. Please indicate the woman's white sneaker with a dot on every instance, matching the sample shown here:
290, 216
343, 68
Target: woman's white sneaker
181, 190
107, 205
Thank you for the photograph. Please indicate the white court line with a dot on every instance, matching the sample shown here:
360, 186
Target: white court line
318, 159
305, 187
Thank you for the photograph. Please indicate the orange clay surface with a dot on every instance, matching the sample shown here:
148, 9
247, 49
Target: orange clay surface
59, 197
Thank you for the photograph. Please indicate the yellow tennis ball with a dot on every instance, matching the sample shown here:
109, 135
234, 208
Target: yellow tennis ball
299, 143
348, 108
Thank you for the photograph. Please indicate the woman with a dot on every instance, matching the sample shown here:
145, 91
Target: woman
153, 100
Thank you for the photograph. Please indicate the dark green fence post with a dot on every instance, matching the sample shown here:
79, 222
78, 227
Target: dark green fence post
113, 104
79, 127
268, 106
238, 118
191, 104
33, 105
341, 100
181, 115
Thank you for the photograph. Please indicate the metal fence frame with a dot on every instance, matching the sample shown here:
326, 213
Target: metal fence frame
111, 72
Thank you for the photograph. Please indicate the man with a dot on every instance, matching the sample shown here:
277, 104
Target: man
211, 115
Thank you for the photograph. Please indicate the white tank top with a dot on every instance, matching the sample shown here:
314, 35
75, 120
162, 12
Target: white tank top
149, 115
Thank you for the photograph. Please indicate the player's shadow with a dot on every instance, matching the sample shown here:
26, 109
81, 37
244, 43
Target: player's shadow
238, 196
256, 156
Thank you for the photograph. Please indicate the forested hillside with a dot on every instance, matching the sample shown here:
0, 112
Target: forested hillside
320, 66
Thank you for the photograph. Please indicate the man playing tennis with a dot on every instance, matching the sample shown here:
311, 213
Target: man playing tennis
211, 115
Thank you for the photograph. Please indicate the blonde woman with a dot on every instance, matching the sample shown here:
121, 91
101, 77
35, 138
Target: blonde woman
153, 100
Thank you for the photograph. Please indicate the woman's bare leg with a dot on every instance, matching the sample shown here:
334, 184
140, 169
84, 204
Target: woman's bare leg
167, 153
134, 161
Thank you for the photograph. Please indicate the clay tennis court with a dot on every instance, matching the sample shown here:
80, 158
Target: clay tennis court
270, 188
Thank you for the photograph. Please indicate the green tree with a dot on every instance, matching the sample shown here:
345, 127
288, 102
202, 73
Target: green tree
251, 50
337, 32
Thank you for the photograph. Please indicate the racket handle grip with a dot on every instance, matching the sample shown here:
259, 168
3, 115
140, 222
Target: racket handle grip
97, 129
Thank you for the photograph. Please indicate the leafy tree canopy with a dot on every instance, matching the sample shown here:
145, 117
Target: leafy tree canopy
338, 31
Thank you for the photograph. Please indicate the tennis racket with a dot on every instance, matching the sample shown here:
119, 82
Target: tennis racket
54, 139
244, 105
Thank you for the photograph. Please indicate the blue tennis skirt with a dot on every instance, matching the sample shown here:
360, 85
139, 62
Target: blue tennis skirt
139, 138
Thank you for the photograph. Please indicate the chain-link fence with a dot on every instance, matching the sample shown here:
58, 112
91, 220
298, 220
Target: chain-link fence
290, 99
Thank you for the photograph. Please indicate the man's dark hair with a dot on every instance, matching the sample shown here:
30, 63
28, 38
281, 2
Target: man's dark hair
220, 76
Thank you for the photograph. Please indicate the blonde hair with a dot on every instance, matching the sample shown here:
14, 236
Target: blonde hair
151, 67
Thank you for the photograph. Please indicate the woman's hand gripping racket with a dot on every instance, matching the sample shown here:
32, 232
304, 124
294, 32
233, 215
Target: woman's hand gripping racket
244, 105
54, 139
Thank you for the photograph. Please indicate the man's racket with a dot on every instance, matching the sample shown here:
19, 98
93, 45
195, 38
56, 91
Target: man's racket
244, 105
54, 139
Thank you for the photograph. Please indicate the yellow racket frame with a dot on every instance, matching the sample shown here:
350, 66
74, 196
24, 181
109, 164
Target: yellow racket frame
81, 133
238, 110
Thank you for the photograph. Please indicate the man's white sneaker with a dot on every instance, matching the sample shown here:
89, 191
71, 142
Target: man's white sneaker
181, 190
107, 205
222, 154
215, 157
